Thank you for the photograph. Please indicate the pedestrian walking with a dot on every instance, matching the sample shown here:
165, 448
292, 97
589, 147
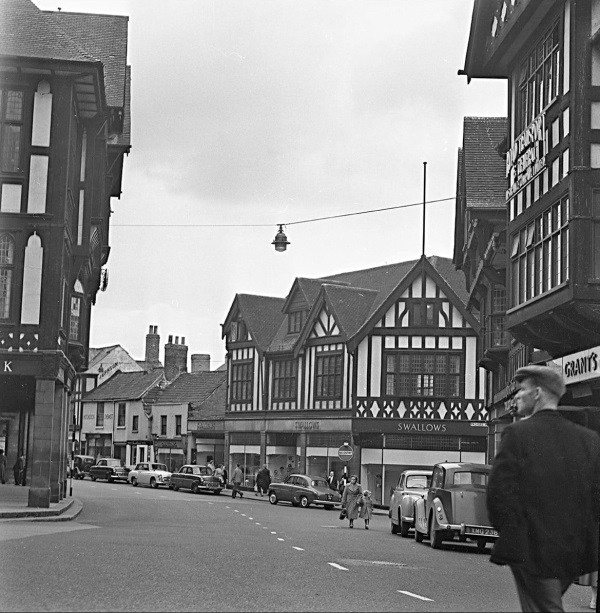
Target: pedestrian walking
332, 481
366, 508
350, 499
344, 480
263, 481
225, 475
545, 544
2, 466
237, 477
19, 470
218, 473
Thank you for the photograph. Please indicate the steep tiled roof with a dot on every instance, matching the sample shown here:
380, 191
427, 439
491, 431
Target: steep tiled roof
125, 386
104, 37
30, 33
350, 306
263, 316
213, 405
191, 387
484, 169
98, 354
454, 278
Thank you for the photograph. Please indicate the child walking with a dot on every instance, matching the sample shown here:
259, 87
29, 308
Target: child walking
366, 510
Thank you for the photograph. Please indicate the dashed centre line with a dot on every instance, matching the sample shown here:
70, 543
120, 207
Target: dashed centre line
415, 595
336, 566
280, 539
298, 548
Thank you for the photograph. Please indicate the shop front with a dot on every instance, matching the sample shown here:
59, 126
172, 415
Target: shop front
206, 441
286, 446
390, 446
170, 452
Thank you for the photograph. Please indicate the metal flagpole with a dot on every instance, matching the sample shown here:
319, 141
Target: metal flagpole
424, 188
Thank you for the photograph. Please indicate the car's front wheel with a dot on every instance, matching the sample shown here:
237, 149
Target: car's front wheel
435, 536
304, 502
273, 498
418, 535
93, 477
195, 489
153, 483
404, 528
134, 481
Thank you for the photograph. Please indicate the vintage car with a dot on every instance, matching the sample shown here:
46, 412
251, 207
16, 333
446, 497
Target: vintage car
454, 506
304, 490
110, 469
412, 485
195, 478
81, 466
149, 473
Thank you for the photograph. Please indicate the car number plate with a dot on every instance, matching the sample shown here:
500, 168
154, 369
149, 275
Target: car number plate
480, 531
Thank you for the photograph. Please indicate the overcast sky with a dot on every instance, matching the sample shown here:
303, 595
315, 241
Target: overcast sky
253, 113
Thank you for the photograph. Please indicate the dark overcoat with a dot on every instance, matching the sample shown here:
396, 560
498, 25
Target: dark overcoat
543, 496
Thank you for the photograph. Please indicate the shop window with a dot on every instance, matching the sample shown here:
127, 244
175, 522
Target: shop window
284, 380
242, 374
7, 260
135, 423
121, 415
100, 415
423, 373
177, 425
163, 425
329, 376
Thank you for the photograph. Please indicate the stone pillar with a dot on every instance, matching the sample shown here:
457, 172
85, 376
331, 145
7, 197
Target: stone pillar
41, 450
56, 457
226, 455
263, 448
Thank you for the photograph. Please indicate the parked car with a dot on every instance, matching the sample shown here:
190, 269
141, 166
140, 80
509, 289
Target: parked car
110, 469
455, 506
149, 473
81, 466
196, 478
304, 490
412, 485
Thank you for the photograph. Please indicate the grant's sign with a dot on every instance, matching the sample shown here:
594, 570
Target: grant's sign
580, 366
527, 156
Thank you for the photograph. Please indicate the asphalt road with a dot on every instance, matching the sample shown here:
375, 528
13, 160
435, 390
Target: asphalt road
139, 549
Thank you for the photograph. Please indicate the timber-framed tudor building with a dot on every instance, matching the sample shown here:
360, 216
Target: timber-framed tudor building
64, 132
383, 359
539, 243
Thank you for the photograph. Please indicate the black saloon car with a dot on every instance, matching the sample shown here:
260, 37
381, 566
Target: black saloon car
195, 478
304, 490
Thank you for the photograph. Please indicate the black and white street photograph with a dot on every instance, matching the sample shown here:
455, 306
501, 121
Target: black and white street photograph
299, 305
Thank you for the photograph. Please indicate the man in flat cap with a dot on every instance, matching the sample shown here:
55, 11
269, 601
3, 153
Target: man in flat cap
543, 494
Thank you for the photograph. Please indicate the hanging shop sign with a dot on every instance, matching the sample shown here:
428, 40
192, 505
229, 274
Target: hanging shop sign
580, 366
527, 156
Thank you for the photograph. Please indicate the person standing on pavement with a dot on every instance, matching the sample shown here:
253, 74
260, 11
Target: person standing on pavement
19, 470
545, 544
236, 478
2, 466
225, 475
332, 481
263, 481
350, 499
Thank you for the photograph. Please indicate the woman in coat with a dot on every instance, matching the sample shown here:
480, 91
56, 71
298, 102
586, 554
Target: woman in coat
366, 509
351, 498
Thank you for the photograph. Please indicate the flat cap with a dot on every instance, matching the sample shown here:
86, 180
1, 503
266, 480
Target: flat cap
545, 376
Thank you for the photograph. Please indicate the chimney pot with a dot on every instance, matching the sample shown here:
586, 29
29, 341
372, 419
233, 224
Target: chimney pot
170, 338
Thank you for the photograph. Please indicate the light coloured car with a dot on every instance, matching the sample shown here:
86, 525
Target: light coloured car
455, 506
149, 473
412, 486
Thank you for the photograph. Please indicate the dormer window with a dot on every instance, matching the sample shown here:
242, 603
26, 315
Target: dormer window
238, 331
295, 321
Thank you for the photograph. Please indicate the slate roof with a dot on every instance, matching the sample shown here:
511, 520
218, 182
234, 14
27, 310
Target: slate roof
262, 315
126, 386
30, 33
104, 37
213, 406
191, 387
483, 168
98, 354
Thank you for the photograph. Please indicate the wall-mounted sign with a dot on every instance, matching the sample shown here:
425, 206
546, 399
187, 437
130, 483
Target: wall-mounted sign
345, 453
580, 366
527, 156
307, 425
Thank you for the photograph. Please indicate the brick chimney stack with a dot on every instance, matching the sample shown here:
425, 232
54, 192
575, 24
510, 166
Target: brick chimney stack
201, 362
175, 357
153, 347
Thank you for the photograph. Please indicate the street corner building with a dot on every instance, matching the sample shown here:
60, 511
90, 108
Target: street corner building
372, 371
528, 204
64, 132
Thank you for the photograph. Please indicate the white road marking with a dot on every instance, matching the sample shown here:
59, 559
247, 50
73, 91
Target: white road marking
251, 518
228, 507
243, 515
258, 523
280, 539
235, 511
273, 532
336, 566
415, 595
298, 548
265, 528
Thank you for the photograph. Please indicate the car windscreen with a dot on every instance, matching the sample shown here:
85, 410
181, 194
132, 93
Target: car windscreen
201, 470
159, 467
420, 482
113, 462
319, 483
470, 478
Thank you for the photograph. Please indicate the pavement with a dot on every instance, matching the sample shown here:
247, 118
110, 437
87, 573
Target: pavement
13, 506
14, 499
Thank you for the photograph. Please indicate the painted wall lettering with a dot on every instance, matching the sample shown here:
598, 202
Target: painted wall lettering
7, 365
307, 425
426, 427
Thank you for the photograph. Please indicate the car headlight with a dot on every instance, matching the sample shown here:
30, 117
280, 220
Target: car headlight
159, 477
